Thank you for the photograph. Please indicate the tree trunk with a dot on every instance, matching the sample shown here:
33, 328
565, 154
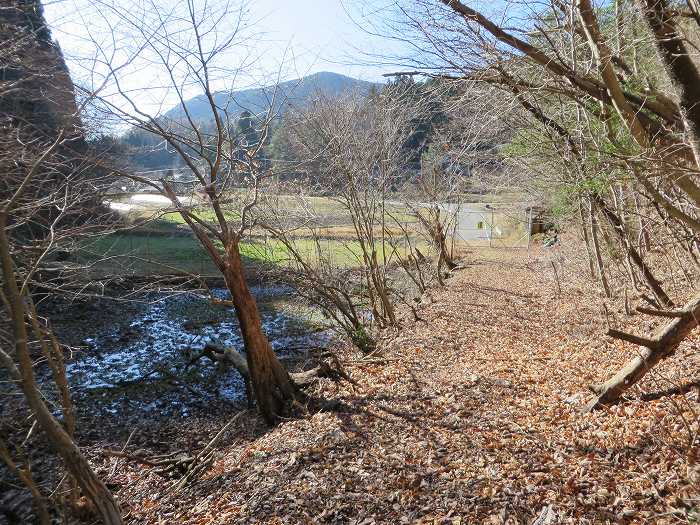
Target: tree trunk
680, 66
25, 475
619, 228
433, 225
644, 240
660, 347
440, 240
302, 379
587, 240
274, 389
59, 439
598, 255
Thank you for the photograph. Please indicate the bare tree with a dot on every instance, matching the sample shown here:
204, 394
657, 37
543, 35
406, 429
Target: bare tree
49, 197
318, 277
204, 50
20, 366
356, 146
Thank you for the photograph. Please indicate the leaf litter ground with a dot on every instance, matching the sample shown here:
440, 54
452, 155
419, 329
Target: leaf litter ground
471, 414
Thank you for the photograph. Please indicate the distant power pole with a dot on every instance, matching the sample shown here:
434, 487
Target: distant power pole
489, 207
528, 221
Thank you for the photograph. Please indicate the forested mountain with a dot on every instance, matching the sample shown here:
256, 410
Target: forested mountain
149, 152
289, 93
35, 86
37, 105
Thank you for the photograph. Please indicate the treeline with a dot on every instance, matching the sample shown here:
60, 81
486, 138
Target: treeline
431, 140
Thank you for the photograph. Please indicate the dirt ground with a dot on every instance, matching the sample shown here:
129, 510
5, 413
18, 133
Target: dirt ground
471, 414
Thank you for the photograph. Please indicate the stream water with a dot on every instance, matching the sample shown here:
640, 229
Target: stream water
141, 361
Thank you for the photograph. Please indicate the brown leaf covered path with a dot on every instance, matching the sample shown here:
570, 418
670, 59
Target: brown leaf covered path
471, 415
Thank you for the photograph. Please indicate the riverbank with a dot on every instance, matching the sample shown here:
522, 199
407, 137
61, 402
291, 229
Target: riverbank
134, 363
471, 413
138, 358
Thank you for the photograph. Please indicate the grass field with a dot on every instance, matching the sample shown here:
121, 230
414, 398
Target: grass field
166, 245
152, 252
145, 254
326, 215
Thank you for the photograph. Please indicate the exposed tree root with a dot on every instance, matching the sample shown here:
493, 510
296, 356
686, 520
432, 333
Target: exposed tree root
231, 357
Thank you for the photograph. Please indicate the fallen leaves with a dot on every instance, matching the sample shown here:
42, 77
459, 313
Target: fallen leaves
474, 417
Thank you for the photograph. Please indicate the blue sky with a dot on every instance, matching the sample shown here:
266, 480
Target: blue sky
281, 39
284, 39
307, 35
320, 33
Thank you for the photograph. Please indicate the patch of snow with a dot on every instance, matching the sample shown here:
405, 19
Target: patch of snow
156, 340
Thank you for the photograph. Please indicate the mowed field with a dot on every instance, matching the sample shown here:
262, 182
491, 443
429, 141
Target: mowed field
158, 241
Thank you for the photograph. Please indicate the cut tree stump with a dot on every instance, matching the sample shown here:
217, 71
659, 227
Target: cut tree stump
653, 350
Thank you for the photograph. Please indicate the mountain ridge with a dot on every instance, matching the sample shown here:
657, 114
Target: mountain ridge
288, 93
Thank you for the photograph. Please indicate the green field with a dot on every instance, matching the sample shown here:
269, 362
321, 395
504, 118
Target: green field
322, 231
141, 253
326, 215
148, 253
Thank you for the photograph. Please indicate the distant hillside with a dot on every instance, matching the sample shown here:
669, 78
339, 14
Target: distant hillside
292, 92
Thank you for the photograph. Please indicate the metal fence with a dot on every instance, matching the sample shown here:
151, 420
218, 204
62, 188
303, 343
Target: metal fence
506, 226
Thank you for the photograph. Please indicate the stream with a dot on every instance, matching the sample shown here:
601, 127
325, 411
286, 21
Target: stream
136, 359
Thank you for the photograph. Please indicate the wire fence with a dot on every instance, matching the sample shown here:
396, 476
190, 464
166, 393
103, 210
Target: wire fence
504, 226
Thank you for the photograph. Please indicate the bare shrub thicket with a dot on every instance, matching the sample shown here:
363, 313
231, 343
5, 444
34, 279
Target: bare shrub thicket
355, 149
608, 123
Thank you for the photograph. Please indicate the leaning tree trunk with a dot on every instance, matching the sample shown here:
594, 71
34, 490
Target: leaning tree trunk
273, 388
652, 352
74, 460
598, 255
648, 275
